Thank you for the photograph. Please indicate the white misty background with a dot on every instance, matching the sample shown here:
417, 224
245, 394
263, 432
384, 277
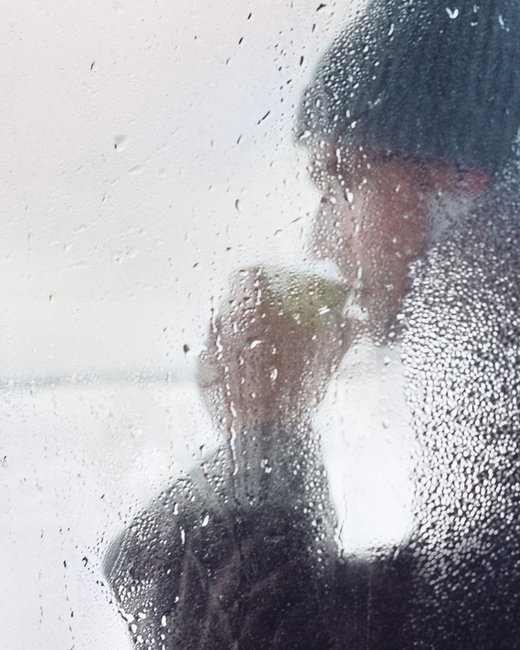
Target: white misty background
147, 152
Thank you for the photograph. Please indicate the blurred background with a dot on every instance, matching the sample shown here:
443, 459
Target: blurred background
148, 151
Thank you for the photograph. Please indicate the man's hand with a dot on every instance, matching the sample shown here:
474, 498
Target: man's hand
262, 363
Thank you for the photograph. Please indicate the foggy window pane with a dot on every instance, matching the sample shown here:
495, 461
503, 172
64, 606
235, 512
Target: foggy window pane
261, 334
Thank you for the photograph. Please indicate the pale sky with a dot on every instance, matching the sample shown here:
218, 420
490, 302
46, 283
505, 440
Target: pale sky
137, 175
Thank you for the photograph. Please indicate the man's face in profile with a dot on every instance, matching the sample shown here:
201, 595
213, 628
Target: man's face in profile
374, 217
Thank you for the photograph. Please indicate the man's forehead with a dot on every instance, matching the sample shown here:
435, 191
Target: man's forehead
346, 161
356, 165
342, 159
339, 155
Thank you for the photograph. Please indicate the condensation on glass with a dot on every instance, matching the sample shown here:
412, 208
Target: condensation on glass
261, 338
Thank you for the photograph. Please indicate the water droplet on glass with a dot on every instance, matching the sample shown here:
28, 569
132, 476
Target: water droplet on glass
120, 142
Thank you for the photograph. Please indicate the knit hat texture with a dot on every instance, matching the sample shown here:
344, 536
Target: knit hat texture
437, 80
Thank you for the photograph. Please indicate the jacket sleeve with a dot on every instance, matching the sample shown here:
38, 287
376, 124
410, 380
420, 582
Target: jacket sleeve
239, 554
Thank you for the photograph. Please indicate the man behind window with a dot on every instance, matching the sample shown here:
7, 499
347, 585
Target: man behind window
410, 123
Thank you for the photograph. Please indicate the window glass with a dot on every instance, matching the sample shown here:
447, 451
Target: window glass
261, 338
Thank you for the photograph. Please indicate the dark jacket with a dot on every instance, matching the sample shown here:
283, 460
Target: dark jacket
242, 553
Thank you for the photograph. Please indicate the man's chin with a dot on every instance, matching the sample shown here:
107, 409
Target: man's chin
381, 305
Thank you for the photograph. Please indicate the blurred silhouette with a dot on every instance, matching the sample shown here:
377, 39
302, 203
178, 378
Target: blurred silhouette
410, 122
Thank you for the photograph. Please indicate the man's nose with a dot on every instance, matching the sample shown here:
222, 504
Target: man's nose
321, 233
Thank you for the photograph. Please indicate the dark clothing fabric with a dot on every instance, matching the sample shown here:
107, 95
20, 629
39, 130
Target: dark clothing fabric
243, 552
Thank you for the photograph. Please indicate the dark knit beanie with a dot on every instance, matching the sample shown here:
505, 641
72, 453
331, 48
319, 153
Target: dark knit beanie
437, 80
